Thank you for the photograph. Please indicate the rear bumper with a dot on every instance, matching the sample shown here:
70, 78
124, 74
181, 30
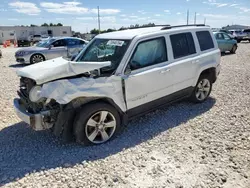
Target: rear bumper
34, 120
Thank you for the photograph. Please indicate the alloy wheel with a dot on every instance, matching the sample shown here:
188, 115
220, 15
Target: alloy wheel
203, 89
37, 58
100, 127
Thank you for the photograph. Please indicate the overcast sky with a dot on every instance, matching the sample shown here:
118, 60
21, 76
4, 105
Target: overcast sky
82, 14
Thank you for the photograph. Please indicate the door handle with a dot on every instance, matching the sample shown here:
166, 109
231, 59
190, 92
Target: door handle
165, 71
196, 61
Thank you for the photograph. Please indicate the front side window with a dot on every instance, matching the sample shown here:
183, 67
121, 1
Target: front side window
149, 53
182, 45
102, 50
45, 43
59, 43
205, 40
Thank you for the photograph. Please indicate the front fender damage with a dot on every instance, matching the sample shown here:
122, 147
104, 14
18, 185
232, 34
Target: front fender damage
72, 93
66, 90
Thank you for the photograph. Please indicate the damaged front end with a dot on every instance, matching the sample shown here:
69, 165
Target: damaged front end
41, 113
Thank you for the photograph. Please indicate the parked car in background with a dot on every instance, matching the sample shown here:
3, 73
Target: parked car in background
21, 42
238, 35
49, 49
247, 33
118, 76
45, 37
228, 32
225, 42
36, 38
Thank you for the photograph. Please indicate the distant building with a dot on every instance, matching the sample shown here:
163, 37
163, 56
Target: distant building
23, 32
235, 27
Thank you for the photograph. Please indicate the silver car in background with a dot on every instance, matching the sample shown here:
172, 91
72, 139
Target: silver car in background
49, 49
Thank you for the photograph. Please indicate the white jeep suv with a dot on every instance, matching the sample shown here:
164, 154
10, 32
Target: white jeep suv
118, 76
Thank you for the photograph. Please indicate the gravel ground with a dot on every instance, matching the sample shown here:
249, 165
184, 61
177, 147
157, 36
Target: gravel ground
181, 146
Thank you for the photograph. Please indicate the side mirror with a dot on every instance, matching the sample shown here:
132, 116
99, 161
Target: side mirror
127, 70
50, 46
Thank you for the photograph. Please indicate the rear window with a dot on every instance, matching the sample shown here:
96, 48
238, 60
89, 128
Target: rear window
182, 45
205, 40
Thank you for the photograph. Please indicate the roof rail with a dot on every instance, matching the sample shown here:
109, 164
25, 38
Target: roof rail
170, 27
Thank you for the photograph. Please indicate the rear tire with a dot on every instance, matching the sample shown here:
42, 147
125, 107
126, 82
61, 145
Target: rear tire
238, 41
96, 123
233, 50
202, 89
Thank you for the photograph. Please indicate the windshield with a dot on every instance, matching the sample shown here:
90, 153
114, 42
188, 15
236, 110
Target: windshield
45, 43
101, 50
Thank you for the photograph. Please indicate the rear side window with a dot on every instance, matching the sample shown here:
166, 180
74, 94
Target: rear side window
205, 40
182, 45
72, 42
82, 42
219, 36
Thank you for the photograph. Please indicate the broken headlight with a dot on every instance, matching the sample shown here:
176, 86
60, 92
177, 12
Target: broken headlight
35, 93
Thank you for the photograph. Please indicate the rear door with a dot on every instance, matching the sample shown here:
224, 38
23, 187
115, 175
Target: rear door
183, 61
148, 75
228, 42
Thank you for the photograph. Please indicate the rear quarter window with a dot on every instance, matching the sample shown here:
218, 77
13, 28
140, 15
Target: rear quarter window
205, 40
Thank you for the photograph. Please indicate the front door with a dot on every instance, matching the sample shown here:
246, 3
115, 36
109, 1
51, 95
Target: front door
221, 42
58, 49
150, 77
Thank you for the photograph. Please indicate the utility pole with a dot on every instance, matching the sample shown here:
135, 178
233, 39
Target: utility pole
195, 18
99, 24
187, 16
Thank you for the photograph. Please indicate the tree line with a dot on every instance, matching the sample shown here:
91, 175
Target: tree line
96, 31
43, 25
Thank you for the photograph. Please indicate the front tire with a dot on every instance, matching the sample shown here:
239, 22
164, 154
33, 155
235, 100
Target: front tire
202, 89
96, 123
36, 58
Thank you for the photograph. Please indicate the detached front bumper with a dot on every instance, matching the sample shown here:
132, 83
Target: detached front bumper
34, 120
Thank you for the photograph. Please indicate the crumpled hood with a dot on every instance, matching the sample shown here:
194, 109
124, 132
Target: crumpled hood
58, 68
